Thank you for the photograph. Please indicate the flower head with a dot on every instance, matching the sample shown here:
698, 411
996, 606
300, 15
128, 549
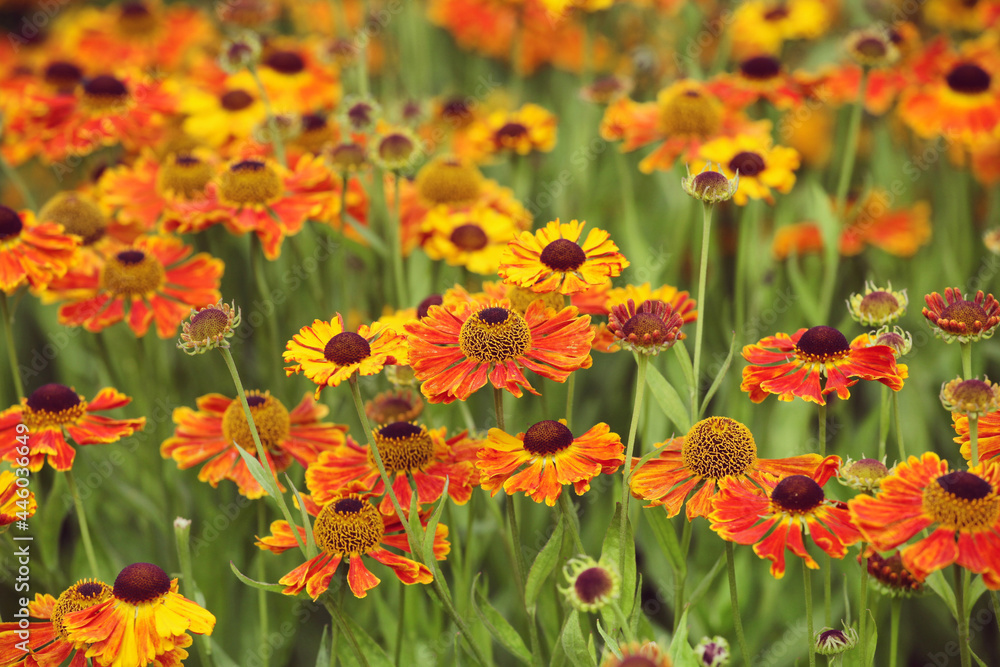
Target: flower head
877, 307
449, 180
547, 456
32, 252
393, 406
713, 652
649, 329
972, 398
54, 411
830, 641
591, 584
890, 576
711, 185
240, 53
209, 327
955, 318
398, 150
900, 341
863, 475
871, 48
634, 654
791, 366
960, 509
79, 215
553, 259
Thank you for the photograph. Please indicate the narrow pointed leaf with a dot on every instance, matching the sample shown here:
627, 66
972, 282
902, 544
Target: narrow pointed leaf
498, 626
574, 644
545, 562
253, 583
668, 399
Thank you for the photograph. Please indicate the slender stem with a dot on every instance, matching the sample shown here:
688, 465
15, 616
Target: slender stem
265, 647
520, 567
995, 599
640, 386
400, 623
894, 607
498, 407
8, 327
395, 224
680, 578
807, 587
898, 425
572, 520
570, 386
182, 532
272, 122
961, 589
863, 606
14, 177
966, 360
338, 618
883, 421
827, 591
622, 621
735, 603
974, 438
700, 324
81, 516
822, 430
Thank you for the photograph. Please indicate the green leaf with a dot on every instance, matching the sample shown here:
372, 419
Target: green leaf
668, 399
687, 369
680, 651
706, 581
976, 589
370, 649
323, 655
257, 471
939, 585
978, 660
219, 657
666, 537
610, 553
416, 528
253, 583
872, 640
432, 522
310, 539
367, 234
498, 626
718, 378
574, 644
609, 642
545, 562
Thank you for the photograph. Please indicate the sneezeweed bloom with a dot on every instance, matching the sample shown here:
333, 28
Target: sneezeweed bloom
710, 185
713, 652
475, 238
863, 475
239, 53
956, 318
409, 451
649, 329
449, 179
744, 513
890, 576
871, 48
715, 448
153, 280
900, 341
961, 509
359, 115
398, 150
351, 527
54, 412
877, 307
634, 654
551, 457
454, 351
78, 213
209, 328
393, 406
794, 366
529, 129
761, 165
13, 505
830, 641
553, 259
592, 585
972, 398
218, 427
32, 252
143, 618
327, 354
988, 439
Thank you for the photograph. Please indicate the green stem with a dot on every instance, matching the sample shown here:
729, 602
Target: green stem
570, 387
400, 623
402, 299
680, 578
974, 439
8, 327
827, 591
961, 589
640, 386
894, 606
88, 546
622, 621
14, 177
735, 603
807, 587
822, 429
272, 121
898, 425
966, 360
572, 520
706, 226
863, 606
520, 567
883, 421
498, 407
182, 532
345, 629
265, 647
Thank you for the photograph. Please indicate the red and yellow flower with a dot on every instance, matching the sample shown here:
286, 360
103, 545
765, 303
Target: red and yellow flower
408, 450
32, 252
763, 26
552, 259
527, 130
961, 509
790, 366
219, 426
153, 280
350, 527
774, 517
474, 237
714, 449
956, 318
454, 351
547, 456
328, 354
760, 77
54, 411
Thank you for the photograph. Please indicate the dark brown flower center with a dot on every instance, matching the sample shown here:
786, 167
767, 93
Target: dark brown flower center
833, 637
348, 526
90, 589
965, 485
871, 47
710, 183
967, 313
822, 343
53, 398
637, 661
209, 323
878, 305
968, 79
348, 156
347, 348
747, 163
132, 273
286, 62
313, 122
349, 505
400, 430
469, 237
135, 19
973, 392
184, 175
963, 501
10, 223
510, 134
236, 100
563, 255
456, 110
797, 493
105, 87
360, 115
425, 305
547, 437
396, 146
778, 13
62, 75
760, 68
494, 315
592, 584
642, 324
141, 582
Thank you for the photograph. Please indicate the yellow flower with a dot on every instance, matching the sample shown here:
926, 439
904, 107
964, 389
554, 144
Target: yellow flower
475, 237
761, 166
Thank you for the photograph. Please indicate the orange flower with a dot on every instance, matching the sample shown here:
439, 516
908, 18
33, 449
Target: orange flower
988, 439
219, 426
758, 78
791, 366
54, 411
17, 503
143, 618
32, 252
961, 508
350, 526
328, 354
714, 449
408, 450
552, 259
526, 130
455, 350
743, 513
955, 318
551, 457
154, 280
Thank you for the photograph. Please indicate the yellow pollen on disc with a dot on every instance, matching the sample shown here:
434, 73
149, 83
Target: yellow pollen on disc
494, 334
348, 525
717, 447
269, 415
522, 297
962, 501
690, 112
249, 183
52, 405
82, 595
403, 446
77, 213
183, 175
449, 181
132, 273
